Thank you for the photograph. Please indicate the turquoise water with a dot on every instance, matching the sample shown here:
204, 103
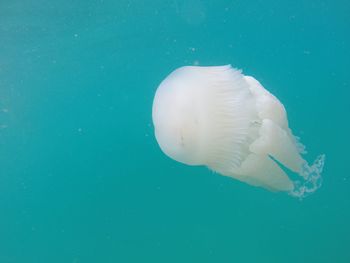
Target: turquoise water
82, 178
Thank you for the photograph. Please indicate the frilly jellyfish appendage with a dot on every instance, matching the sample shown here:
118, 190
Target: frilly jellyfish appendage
311, 178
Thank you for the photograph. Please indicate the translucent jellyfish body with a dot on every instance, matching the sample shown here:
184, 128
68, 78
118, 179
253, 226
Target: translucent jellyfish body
217, 117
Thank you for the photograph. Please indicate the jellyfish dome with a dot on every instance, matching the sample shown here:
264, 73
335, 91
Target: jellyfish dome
220, 118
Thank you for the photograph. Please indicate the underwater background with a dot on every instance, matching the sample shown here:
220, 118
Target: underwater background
82, 178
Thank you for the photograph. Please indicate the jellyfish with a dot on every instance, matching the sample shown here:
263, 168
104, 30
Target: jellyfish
217, 117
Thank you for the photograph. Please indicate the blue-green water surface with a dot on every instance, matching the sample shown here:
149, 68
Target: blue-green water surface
82, 179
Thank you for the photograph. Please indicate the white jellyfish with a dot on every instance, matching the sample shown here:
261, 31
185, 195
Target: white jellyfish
217, 117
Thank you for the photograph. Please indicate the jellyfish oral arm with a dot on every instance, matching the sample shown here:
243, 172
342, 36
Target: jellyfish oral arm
276, 142
260, 170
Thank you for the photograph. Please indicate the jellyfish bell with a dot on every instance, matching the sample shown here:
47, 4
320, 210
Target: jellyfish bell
217, 117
